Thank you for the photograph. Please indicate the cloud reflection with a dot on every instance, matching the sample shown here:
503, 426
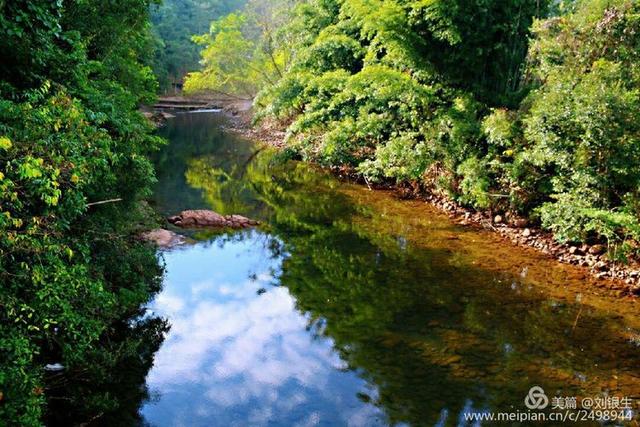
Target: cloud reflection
237, 357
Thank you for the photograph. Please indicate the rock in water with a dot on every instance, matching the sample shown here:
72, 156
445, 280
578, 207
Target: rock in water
194, 218
239, 221
207, 218
163, 238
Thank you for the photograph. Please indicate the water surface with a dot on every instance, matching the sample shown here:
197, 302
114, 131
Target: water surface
350, 307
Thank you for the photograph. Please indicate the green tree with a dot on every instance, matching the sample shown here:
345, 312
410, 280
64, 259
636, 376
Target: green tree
72, 78
174, 23
441, 93
581, 127
240, 54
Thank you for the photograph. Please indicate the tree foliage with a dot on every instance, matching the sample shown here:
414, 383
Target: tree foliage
240, 55
174, 23
581, 125
509, 105
72, 77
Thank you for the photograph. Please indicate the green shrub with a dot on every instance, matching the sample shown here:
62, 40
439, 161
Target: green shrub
70, 134
582, 127
401, 158
474, 186
443, 91
331, 52
573, 220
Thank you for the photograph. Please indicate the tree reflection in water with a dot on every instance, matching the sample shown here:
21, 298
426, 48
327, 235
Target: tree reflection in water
433, 332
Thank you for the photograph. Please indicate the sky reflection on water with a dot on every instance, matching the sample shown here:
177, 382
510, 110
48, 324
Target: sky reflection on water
238, 352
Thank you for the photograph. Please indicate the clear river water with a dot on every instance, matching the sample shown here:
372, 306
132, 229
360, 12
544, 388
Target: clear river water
351, 307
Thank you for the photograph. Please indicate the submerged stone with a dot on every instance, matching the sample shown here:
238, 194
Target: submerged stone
163, 238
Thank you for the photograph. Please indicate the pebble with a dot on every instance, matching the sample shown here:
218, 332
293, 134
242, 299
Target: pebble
597, 249
584, 255
520, 223
573, 250
53, 367
601, 265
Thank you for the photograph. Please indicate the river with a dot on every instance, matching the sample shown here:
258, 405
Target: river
352, 307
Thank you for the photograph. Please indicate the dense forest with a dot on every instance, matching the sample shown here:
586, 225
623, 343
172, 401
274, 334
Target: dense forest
174, 22
518, 107
74, 171
73, 276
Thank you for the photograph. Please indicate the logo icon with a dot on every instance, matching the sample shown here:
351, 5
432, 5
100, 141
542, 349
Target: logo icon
536, 399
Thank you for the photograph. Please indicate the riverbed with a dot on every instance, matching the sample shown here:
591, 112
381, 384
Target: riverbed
352, 307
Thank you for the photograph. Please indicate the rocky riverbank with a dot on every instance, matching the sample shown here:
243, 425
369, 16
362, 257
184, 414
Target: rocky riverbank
621, 279
241, 122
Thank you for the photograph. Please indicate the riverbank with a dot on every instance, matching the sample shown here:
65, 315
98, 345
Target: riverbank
622, 280
335, 267
240, 116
